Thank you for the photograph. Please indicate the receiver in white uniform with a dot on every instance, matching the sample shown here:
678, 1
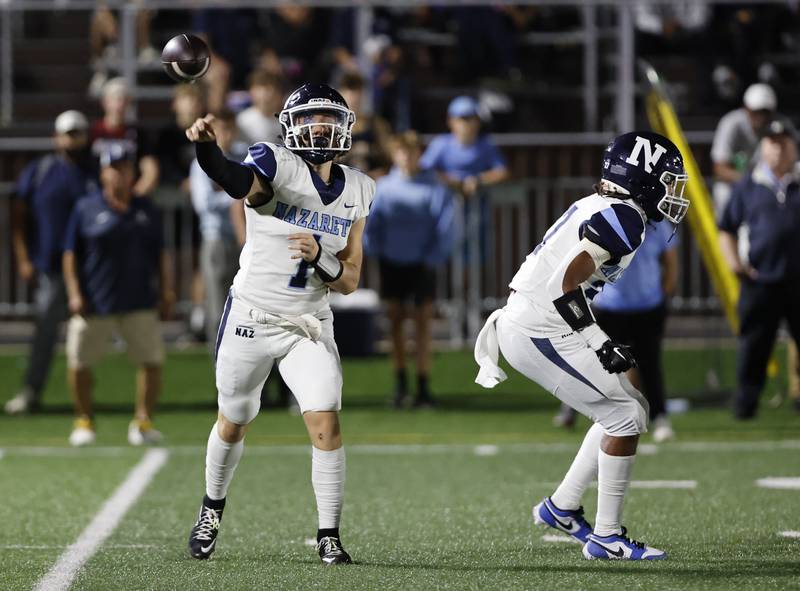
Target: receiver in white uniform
547, 332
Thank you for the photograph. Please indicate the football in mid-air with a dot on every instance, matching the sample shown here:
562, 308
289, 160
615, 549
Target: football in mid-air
185, 58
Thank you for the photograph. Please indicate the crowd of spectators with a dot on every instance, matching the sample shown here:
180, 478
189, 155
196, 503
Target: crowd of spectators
258, 56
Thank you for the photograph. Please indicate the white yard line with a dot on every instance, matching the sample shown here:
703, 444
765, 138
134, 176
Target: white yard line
63, 573
789, 534
647, 449
486, 450
413, 448
779, 482
665, 484
651, 484
62, 546
557, 539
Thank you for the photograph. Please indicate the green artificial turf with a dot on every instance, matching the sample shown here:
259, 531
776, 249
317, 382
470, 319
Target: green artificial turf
431, 516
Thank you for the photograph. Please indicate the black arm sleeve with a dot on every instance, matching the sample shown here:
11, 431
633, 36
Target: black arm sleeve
235, 178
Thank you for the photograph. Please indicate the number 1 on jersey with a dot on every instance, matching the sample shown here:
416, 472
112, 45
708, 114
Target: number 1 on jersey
300, 279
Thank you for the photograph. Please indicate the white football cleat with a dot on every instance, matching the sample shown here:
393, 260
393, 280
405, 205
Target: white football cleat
619, 547
21, 404
82, 433
141, 432
662, 429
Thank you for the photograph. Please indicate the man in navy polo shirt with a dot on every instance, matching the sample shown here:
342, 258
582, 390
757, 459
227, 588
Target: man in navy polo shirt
766, 259
45, 195
115, 271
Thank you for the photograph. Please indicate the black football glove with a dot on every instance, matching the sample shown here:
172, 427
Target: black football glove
615, 358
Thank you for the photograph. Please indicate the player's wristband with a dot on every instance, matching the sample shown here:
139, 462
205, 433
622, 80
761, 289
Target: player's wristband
328, 267
574, 309
235, 179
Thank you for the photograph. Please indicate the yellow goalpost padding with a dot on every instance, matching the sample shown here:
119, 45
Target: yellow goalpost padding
701, 213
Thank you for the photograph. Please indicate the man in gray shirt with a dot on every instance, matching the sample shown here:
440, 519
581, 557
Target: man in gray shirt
736, 140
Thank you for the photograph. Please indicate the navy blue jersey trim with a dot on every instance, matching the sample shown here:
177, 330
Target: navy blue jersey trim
617, 229
546, 348
631, 222
264, 160
222, 324
333, 190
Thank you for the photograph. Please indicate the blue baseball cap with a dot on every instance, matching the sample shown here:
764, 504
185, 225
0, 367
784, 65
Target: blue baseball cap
115, 151
463, 106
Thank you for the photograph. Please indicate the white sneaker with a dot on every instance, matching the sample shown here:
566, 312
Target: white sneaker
82, 433
21, 403
141, 432
566, 417
662, 429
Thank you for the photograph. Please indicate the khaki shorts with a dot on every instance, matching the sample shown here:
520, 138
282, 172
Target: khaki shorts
88, 338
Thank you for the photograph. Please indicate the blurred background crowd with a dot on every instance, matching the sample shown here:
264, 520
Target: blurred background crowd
480, 124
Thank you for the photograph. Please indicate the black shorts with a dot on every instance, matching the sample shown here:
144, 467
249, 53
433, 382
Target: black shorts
404, 282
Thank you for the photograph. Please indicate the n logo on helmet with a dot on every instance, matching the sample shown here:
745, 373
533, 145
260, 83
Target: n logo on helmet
651, 156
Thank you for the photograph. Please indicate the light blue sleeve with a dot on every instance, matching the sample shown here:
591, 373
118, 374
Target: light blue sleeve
375, 228
443, 211
491, 155
432, 158
668, 241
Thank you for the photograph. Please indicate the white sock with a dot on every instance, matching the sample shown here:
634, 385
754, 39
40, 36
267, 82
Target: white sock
327, 478
581, 473
613, 476
221, 461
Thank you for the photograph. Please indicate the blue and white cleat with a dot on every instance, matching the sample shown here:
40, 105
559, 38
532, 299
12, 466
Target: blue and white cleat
619, 547
570, 522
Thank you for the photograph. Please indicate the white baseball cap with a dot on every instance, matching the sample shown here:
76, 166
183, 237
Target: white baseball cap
71, 121
760, 97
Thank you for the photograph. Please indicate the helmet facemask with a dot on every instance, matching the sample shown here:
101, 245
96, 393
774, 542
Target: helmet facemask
319, 132
673, 206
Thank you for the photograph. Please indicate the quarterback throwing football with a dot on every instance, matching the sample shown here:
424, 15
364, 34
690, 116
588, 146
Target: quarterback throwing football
547, 332
305, 217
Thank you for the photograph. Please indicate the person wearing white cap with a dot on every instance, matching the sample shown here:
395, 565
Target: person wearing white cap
735, 152
736, 139
46, 192
767, 202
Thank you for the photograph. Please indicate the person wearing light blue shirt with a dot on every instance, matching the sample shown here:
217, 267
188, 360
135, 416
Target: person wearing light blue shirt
467, 161
465, 158
219, 247
410, 230
633, 311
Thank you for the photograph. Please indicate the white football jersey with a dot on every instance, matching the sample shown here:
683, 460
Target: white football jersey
268, 278
617, 225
